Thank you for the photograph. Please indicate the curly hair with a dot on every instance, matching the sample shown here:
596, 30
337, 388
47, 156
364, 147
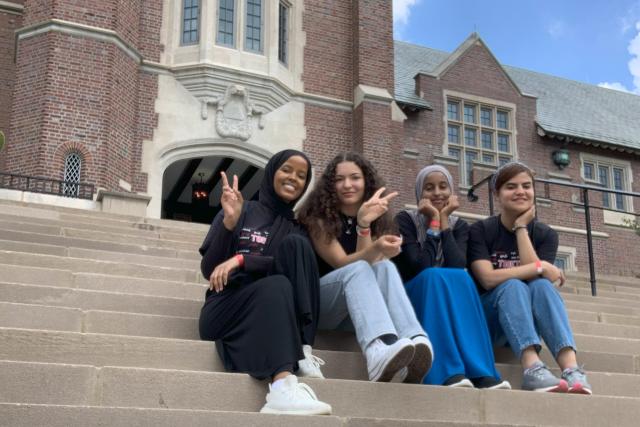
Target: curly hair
320, 212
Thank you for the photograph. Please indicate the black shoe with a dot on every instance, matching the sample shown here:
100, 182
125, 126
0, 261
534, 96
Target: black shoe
458, 381
491, 383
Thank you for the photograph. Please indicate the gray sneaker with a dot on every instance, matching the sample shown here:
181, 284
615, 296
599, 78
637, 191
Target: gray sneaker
539, 378
577, 380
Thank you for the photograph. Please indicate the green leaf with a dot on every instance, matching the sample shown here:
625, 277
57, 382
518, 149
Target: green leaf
1, 140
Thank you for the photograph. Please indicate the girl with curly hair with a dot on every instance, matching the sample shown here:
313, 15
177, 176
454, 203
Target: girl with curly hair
349, 224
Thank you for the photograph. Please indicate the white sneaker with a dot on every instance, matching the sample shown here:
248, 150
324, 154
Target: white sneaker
294, 398
383, 361
309, 367
422, 360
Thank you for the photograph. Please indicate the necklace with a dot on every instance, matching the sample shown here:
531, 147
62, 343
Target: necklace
347, 223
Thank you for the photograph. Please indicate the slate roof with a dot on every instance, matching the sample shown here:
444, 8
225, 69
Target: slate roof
564, 107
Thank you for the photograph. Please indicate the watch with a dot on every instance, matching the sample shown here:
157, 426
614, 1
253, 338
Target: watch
433, 233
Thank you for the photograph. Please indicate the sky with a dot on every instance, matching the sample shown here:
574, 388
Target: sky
592, 41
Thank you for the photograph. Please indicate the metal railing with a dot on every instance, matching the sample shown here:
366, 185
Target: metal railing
36, 184
584, 204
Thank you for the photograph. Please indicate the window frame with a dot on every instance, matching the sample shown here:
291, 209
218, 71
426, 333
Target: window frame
284, 34
182, 22
262, 32
234, 26
610, 164
481, 127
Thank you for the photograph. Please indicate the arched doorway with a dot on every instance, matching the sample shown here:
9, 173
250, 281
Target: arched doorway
191, 188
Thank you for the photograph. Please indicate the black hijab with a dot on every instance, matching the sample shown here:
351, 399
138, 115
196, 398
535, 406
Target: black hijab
267, 195
284, 222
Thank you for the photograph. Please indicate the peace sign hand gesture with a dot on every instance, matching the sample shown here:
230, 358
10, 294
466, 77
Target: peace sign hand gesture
374, 208
231, 201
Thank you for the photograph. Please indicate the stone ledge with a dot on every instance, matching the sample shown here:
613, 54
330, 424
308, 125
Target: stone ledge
123, 203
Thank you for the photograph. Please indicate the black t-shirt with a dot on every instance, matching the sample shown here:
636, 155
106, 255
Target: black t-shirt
348, 239
492, 241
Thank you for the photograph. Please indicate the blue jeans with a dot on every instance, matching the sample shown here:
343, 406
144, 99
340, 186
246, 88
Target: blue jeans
520, 313
368, 298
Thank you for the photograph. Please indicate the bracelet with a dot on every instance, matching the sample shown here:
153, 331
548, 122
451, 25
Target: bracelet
517, 227
240, 259
539, 267
434, 224
363, 231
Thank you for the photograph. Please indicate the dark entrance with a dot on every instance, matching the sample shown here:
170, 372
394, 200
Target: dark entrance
191, 188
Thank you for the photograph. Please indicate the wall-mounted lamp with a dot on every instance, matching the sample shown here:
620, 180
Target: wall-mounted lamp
561, 158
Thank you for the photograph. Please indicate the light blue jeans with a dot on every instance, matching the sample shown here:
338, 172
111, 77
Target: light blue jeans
520, 313
369, 297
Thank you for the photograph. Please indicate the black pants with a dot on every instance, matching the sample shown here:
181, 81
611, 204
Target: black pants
259, 327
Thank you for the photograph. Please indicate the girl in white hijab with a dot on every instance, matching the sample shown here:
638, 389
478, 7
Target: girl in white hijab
432, 264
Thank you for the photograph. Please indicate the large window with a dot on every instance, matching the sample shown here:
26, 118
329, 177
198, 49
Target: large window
72, 167
481, 133
283, 33
226, 20
610, 174
253, 26
190, 21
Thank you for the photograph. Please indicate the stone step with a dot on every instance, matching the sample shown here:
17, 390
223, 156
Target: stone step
171, 353
158, 389
29, 415
605, 278
81, 265
39, 316
585, 287
99, 300
62, 241
633, 304
101, 255
46, 226
58, 213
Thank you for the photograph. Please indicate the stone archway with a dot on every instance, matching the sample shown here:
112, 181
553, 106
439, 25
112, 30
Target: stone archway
199, 163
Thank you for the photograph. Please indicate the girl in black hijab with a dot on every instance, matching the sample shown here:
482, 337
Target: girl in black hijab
262, 305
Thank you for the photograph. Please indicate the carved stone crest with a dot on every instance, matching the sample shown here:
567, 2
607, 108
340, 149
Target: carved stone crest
235, 113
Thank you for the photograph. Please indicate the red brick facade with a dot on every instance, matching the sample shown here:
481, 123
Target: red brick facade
85, 93
10, 21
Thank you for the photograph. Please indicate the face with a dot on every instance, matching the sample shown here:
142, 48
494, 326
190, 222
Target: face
349, 184
516, 195
436, 189
290, 178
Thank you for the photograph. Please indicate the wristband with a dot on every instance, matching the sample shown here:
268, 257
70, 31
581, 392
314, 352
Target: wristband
434, 224
363, 231
240, 259
517, 227
539, 267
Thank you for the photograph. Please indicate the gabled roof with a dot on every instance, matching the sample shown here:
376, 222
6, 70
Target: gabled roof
569, 109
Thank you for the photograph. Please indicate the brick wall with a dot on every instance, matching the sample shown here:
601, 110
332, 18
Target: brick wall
9, 22
77, 93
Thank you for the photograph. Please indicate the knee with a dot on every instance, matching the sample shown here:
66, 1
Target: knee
512, 288
361, 274
541, 287
360, 268
295, 241
276, 287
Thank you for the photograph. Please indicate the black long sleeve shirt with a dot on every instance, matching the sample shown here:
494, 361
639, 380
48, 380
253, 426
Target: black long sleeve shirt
414, 258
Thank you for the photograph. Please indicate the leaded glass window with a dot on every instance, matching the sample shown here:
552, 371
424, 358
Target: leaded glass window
72, 168
190, 21
283, 33
226, 14
253, 27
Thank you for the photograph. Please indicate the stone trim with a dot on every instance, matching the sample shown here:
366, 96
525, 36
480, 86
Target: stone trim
80, 30
373, 94
10, 7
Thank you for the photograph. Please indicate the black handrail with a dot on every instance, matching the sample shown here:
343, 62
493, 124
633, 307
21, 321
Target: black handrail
472, 197
37, 184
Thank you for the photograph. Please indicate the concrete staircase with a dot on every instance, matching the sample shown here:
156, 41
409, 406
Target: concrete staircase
98, 326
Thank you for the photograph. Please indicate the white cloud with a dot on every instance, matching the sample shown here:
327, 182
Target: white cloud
402, 10
634, 66
556, 29
614, 86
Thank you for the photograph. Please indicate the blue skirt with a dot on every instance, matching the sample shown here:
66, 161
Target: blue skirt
448, 307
